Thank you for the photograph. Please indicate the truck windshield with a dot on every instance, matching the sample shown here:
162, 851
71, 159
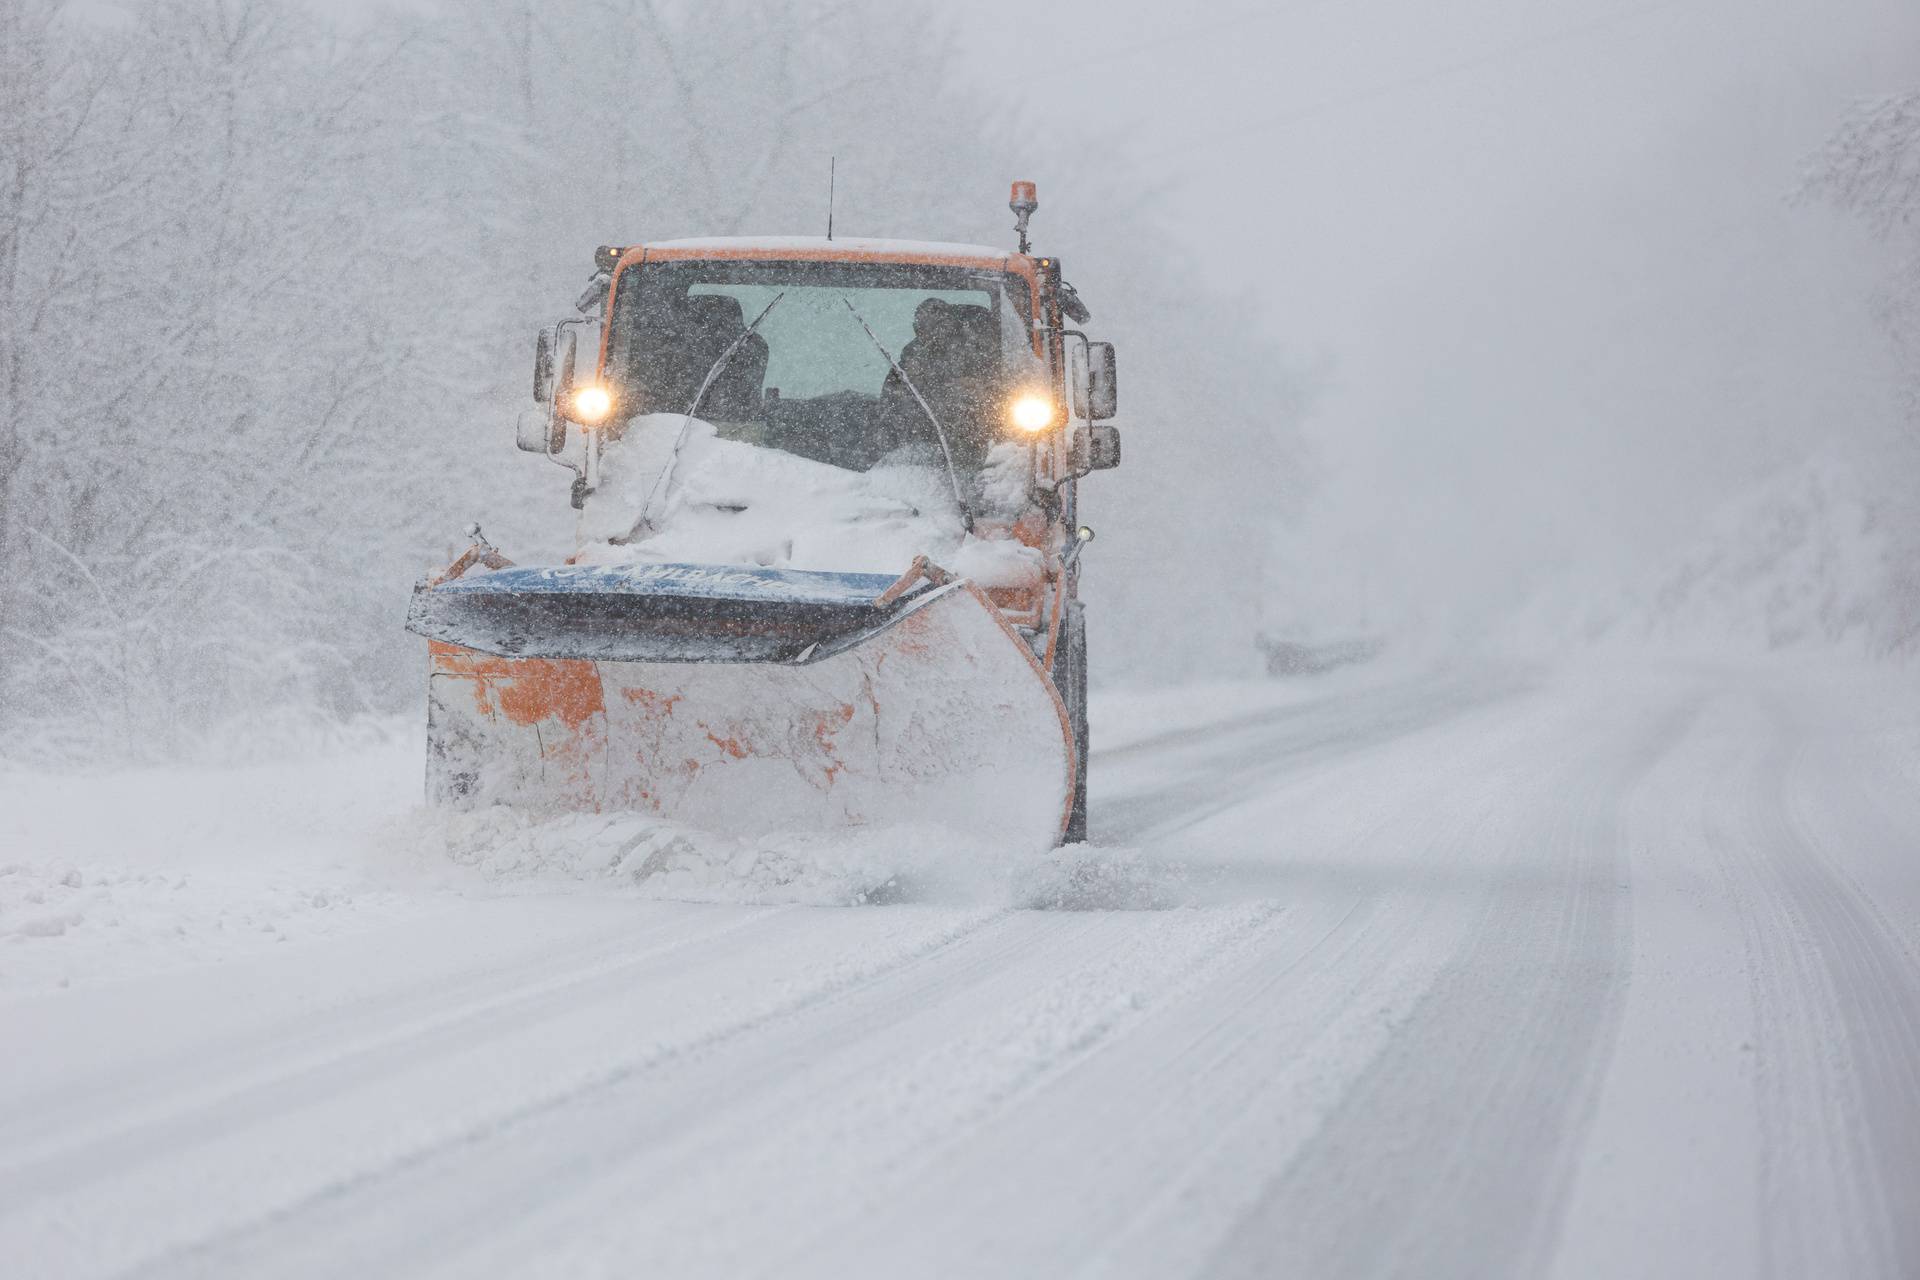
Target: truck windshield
809, 380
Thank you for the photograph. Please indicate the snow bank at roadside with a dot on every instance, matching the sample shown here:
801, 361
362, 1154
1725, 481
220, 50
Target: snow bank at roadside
1820, 556
1806, 560
60, 923
108, 875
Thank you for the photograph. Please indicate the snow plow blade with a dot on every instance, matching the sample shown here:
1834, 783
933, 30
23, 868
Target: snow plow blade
748, 701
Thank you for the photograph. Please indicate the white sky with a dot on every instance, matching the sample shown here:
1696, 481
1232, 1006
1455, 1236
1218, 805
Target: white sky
1546, 246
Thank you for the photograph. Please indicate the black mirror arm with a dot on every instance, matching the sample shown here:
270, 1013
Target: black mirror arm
596, 294
1070, 303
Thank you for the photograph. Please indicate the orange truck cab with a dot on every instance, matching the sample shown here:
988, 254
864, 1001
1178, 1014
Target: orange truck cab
853, 353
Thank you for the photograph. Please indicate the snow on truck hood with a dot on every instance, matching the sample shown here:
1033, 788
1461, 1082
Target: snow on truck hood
731, 503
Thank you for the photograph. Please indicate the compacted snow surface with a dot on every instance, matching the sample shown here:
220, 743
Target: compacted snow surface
1477, 972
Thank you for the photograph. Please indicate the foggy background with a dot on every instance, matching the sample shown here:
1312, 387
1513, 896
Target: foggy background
1544, 260
1531, 326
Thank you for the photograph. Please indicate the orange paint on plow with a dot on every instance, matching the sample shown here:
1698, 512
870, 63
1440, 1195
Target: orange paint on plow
729, 745
654, 704
527, 690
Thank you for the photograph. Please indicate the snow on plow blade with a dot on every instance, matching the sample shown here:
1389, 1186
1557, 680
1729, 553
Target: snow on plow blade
747, 701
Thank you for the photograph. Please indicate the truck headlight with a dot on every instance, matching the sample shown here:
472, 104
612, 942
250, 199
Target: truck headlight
591, 403
1032, 412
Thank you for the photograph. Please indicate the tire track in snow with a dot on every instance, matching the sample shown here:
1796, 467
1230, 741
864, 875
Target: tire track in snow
641, 1128
1227, 763
225, 1176
318, 1066
1398, 1181
1837, 1042
134, 1094
810, 1161
1878, 981
1143, 1097
1209, 1081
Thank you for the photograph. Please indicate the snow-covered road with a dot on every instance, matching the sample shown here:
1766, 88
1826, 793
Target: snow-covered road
1470, 974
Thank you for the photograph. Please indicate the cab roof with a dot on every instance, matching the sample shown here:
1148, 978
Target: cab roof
821, 249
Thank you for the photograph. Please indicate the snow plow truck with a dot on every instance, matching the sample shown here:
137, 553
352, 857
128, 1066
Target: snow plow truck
828, 554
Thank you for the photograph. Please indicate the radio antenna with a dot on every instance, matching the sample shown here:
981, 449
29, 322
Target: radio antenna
832, 161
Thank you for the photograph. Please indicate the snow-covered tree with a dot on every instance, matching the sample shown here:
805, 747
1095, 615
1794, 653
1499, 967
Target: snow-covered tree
192, 334
1871, 168
267, 293
58, 164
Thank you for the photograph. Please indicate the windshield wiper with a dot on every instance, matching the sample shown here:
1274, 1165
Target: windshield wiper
706, 385
946, 449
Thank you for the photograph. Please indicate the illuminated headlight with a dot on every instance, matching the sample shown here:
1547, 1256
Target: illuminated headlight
591, 403
1032, 413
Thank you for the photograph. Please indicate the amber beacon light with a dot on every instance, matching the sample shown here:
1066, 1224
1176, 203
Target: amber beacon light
1025, 199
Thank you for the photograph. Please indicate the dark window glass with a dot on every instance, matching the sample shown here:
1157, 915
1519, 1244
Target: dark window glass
809, 379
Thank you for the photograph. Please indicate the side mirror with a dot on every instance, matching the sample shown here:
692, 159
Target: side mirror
545, 383
532, 430
543, 367
1078, 368
1103, 447
544, 430
1103, 386
569, 349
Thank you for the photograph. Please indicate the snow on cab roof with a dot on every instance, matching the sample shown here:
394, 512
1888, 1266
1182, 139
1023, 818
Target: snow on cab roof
820, 246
